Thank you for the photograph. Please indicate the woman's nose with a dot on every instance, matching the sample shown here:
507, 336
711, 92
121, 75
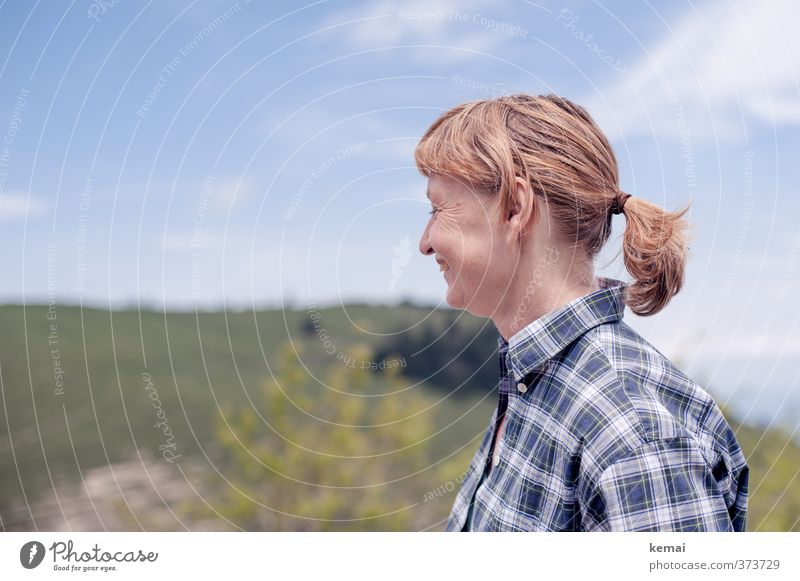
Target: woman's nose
424, 243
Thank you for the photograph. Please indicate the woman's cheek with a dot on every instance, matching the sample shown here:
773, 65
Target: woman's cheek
443, 236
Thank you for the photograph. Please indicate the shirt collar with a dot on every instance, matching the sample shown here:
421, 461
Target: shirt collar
534, 345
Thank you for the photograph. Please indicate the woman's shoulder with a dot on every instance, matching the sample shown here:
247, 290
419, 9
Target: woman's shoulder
624, 393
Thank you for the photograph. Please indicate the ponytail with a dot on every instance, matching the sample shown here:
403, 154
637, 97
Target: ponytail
654, 251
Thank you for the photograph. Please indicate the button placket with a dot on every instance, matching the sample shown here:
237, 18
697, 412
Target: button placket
500, 440
522, 388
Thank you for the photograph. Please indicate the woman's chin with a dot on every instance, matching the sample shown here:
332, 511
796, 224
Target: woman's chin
454, 298
451, 299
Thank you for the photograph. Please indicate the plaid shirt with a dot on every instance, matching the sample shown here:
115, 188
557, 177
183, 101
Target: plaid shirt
602, 433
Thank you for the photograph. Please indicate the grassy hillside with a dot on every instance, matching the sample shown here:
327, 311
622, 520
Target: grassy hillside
87, 388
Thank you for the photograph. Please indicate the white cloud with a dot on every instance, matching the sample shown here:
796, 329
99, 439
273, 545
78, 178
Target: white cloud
443, 23
752, 344
723, 62
777, 110
233, 191
182, 243
17, 206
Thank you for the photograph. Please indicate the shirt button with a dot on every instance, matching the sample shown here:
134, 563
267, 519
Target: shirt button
522, 388
496, 454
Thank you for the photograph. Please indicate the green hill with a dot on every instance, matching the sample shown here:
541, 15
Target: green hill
85, 388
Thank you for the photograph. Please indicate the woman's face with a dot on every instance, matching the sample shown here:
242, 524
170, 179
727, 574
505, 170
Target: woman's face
464, 234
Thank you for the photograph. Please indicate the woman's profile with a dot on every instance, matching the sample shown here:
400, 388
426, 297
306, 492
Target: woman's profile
594, 429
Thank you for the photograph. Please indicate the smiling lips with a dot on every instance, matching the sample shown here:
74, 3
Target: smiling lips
442, 265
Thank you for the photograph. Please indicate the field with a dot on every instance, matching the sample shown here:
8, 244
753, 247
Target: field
346, 418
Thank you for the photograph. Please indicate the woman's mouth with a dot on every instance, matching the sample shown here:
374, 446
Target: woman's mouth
442, 265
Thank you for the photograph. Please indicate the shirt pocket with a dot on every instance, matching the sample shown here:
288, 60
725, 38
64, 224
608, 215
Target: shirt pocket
502, 504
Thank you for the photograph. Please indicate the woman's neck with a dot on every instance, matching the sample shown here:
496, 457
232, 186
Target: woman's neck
541, 286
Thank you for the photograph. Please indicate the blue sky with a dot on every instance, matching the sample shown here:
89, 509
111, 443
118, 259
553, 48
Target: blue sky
236, 154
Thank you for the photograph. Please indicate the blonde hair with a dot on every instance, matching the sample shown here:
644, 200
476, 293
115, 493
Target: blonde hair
556, 147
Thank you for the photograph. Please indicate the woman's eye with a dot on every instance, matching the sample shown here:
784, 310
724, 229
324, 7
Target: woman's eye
432, 212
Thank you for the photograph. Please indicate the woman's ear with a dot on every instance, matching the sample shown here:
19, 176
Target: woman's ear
522, 210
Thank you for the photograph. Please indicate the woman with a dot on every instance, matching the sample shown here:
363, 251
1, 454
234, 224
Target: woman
595, 429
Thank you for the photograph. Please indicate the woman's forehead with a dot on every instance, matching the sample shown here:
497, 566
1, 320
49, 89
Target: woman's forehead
444, 187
